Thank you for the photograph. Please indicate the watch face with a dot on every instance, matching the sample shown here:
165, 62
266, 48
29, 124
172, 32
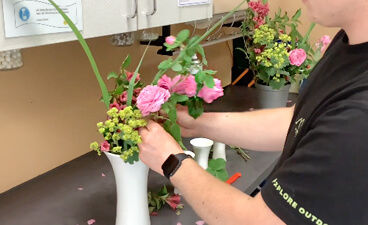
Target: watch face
170, 165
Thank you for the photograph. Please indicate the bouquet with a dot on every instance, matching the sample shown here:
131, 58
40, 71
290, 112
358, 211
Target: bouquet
277, 53
131, 102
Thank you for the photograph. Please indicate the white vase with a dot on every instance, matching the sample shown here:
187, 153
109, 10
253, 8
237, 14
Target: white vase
219, 150
131, 188
201, 148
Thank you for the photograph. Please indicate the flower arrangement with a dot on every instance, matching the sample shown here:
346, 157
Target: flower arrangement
131, 100
277, 57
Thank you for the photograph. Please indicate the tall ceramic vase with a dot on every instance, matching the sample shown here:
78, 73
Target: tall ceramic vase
201, 147
269, 98
131, 188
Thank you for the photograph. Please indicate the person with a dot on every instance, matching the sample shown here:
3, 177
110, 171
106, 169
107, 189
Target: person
322, 175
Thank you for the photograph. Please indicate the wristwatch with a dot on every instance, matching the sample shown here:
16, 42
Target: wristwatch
172, 164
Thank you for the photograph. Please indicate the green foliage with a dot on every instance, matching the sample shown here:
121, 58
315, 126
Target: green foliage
217, 167
195, 107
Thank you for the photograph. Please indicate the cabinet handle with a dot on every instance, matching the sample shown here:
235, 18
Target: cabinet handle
135, 12
154, 9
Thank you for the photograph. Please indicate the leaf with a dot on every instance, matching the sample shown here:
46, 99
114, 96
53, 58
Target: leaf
132, 81
163, 191
126, 62
88, 52
277, 85
192, 40
165, 64
263, 76
177, 67
210, 72
217, 164
175, 132
271, 72
200, 76
183, 35
178, 98
172, 115
209, 81
112, 75
297, 15
222, 175
195, 107
119, 90
211, 171
133, 158
200, 49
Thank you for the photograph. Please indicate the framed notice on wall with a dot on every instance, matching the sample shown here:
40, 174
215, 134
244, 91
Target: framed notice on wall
33, 17
183, 3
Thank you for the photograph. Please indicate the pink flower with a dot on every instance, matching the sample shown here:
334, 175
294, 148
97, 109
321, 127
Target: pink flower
257, 51
105, 146
173, 201
91, 221
170, 40
297, 57
130, 76
324, 41
211, 94
124, 97
115, 105
200, 222
151, 98
259, 8
188, 86
137, 91
165, 82
259, 20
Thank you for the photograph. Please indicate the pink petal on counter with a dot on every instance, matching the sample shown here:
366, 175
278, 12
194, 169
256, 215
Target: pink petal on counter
103, 175
91, 221
80, 189
251, 109
178, 223
200, 222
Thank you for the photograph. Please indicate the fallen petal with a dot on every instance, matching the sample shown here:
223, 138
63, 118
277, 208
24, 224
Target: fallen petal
251, 109
289, 101
200, 222
178, 223
91, 221
80, 189
103, 175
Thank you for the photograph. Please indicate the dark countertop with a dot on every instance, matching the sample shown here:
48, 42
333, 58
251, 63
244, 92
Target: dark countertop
54, 199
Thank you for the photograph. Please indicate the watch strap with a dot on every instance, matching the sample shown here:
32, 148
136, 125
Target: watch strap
168, 169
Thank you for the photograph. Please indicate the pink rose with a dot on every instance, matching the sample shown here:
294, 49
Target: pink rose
130, 76
324, 41
297, 57
257, 51
105, 146
151, 98
170, 40
173, 201
188, 86
165, 82
211, 94
115, 105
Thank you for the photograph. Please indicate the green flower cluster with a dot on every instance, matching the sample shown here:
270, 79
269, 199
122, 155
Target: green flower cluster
121, 131
264, 35
276, 56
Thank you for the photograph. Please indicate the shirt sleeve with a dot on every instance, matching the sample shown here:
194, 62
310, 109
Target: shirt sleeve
325, 181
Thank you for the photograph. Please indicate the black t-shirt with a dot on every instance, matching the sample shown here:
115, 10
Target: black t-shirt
322, 175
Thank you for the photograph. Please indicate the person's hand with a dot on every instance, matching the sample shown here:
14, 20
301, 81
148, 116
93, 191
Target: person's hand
186, 122
156, 146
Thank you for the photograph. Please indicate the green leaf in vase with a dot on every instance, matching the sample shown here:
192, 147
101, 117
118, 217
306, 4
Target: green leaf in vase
112, 75
126, 62
209, 81
217, 164
183, 35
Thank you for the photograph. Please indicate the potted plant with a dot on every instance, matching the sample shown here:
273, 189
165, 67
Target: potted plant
278, 54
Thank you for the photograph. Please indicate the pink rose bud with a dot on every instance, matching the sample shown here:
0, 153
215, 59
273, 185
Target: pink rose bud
211, 94
324, 41
130, 76
105, 146
151, 99
170, 40
297, 57
115, 105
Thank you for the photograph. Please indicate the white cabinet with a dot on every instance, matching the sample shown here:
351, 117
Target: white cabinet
154, 13
106, 17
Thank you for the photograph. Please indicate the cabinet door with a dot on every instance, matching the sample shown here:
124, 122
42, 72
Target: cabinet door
154, 13
100, 18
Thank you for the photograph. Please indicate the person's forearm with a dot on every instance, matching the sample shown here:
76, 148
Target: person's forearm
217, 202
263, 130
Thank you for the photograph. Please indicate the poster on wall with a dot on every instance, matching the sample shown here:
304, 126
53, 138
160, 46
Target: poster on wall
34, 17
183, 3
